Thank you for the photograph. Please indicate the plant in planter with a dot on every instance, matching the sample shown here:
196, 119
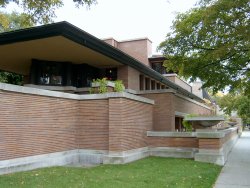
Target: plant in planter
103, 86
119, 87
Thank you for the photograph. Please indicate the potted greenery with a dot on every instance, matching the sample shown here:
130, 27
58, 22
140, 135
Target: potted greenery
103, 86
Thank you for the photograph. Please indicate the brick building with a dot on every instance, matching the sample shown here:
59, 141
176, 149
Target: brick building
52, 120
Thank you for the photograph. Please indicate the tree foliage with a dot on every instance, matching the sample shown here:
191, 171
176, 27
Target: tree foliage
42, 11
211, 42
11, 78
236, 102
11, 22
14, 21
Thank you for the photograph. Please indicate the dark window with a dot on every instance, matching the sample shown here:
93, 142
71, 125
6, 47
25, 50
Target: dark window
83, 74
147, 83
159, 68
51, 74
152, 85
141, 82
158, 86
178, 124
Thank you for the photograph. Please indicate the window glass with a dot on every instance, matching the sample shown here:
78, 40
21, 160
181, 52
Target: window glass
51, 74
159, 68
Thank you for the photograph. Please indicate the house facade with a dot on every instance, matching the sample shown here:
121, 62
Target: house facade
53, 120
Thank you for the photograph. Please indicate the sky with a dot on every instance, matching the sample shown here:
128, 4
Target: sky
125, 19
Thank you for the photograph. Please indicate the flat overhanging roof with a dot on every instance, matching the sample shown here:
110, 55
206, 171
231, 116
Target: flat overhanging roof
16, 57
63, 41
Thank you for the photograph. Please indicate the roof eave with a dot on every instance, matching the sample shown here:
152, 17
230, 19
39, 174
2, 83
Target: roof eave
83, 38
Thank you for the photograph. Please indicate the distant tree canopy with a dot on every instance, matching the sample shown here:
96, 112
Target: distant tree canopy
236, 102
41, 11
211, 42
10, 22
14, 21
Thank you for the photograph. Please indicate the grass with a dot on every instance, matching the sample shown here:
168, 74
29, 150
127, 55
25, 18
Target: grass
150, 172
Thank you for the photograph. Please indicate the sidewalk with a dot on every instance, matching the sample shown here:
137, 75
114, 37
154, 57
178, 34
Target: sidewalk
236, 172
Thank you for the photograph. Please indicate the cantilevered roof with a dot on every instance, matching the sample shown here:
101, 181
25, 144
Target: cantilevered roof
63, 41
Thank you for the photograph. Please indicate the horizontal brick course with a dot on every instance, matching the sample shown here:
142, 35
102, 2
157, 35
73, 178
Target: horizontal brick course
173, 142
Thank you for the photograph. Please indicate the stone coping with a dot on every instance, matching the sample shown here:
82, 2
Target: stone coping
43, 92
58, 88
205, 134
156, 91
109, 84
170, 134
181, 114
205, 118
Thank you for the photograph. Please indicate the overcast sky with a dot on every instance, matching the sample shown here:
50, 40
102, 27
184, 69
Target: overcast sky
126, 19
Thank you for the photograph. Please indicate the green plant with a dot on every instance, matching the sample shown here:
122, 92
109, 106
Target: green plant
103, 86
119, 87
103, 83
188, 125
91, 90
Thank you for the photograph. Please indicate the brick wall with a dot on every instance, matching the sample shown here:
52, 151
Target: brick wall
129, 122
185, 106
216, 143
165, 106
133, 79
173, 142
139, 49
32, 125
163, 111
130, 77
122, 74
93, 125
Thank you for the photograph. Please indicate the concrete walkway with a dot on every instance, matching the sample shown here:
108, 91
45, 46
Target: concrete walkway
236, 172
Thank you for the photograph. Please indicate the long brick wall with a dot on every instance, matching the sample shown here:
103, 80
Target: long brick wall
32, 124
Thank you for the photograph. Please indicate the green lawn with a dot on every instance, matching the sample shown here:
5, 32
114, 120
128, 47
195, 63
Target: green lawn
150, 172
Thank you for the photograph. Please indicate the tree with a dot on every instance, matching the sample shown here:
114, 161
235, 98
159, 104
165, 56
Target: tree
42, 11
14, 21
211, 42
236, 102
11, 22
